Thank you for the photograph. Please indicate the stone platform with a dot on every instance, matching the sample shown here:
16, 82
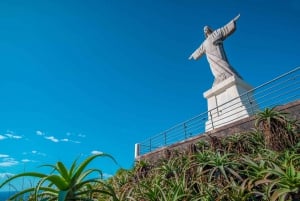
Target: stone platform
229, 101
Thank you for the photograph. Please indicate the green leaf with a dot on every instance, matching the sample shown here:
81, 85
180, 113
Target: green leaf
63, 171
83, 165
26, 174
88, 172
58, 181
21, 193
279, 193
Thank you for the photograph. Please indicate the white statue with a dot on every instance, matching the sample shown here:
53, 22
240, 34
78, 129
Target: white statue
213, 48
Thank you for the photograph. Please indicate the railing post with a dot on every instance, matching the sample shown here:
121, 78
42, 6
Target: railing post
137, 150
211, 119
250, 102
217, 106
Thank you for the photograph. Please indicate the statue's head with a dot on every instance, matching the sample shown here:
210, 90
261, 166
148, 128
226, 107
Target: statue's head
207, 30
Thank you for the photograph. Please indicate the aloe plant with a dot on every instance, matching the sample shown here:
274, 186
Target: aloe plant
221, 165
272, 122
65, 185
284, 178
236, 192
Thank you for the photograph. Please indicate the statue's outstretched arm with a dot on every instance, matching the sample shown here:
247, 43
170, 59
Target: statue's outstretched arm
237, 17
229, 28
197, 53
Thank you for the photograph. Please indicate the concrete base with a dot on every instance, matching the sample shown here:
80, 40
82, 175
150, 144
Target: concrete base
229, 101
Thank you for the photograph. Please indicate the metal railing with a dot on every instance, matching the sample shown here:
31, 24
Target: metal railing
281, 90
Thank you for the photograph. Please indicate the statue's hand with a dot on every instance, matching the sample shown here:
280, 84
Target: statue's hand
237, 17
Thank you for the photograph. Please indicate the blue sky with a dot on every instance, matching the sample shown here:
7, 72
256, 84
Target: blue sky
79, 77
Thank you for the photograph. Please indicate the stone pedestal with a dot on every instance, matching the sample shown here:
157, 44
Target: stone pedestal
229, 101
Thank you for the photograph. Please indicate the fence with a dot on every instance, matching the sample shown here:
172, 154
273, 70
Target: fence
279, 91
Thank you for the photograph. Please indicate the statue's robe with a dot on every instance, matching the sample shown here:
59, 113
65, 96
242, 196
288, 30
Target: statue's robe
214, 50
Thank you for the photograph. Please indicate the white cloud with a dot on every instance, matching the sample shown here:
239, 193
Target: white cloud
2, 137
26, 160
96, 152
52, 138
4, 156
13, 136
7, 162
39, 133
38, 153
81, 135
68, 140
5, 175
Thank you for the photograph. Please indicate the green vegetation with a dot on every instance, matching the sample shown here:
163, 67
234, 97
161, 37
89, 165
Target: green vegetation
262, 164
66, 185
